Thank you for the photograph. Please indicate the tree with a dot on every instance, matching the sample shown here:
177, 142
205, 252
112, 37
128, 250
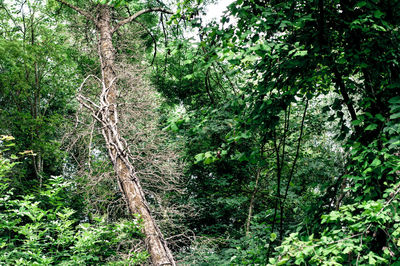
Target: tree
315, 57
36, 88
107, 114
286, 120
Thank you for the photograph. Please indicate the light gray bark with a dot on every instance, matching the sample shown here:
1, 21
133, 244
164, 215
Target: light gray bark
107, 114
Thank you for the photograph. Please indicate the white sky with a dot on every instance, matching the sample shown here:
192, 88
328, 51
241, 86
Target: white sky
215, 11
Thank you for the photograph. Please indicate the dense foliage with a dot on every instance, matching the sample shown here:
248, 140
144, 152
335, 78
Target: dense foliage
271, 136
42, 228
291, 124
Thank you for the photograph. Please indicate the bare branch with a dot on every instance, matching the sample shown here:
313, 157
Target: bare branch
137, 14
77, 9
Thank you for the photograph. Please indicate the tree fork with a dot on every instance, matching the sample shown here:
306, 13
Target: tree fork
116, 146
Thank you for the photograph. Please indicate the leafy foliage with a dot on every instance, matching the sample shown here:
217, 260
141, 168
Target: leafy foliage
41, 229
303, 127
286, 115
38, 82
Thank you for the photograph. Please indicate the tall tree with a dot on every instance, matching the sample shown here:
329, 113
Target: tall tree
107, 114
35, 87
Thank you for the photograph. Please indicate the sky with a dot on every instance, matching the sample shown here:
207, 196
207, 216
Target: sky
215, 11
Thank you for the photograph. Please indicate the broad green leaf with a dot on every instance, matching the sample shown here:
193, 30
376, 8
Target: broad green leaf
199, 157
356, 122
395, 116
378, 14
273, 236
376, 162
371, 127
380, 117
395, 100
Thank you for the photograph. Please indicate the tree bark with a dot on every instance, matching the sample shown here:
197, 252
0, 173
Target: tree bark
117, 147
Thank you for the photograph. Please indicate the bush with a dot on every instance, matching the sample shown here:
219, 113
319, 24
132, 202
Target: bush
42, 230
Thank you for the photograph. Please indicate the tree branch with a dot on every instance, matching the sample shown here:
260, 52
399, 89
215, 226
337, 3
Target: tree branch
152, 36
343, 91
77, 9
136, 15
297, 152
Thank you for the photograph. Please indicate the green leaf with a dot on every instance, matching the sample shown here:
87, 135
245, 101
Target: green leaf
273, 237
366, 171
395, 116
371, 127
395, 100
380, 117
199, 157
371, 259
378, 27
283, 260
378, 14
209, 160
361, 4
174, 127
300, 53
376, 162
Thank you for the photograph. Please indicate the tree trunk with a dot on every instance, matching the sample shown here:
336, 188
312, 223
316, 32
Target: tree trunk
251, 206
117, 147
